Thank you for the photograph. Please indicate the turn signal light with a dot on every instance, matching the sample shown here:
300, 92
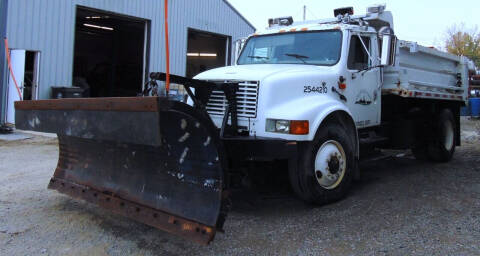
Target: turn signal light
299, 127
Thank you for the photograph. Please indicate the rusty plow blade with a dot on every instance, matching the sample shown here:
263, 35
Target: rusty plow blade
151, 159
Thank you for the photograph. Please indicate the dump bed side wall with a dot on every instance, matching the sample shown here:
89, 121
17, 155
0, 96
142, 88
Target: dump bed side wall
424, 72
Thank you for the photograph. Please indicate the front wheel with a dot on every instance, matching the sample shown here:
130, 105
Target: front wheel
325, 166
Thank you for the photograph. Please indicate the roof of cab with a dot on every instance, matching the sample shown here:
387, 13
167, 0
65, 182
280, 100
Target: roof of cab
305, 26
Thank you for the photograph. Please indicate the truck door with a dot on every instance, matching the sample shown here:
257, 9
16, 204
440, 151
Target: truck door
363, 90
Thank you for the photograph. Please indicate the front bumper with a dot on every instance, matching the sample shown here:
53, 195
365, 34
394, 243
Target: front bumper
260, 149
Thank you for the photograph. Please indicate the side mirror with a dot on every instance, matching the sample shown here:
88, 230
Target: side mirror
388, 50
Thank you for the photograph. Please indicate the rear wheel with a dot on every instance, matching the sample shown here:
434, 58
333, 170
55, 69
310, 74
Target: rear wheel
325, 167
441, 145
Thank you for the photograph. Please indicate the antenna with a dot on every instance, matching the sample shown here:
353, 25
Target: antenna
304, 12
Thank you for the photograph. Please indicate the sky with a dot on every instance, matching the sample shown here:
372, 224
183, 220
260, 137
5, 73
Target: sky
422, 21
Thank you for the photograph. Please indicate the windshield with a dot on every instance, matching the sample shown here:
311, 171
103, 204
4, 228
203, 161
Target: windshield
315, 48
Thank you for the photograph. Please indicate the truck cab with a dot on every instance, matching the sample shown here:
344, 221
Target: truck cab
303, 72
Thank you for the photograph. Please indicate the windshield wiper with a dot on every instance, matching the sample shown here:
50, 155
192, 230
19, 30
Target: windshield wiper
263, 58
297, 56
258, 57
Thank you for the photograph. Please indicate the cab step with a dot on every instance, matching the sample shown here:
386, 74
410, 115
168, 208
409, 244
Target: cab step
371, 138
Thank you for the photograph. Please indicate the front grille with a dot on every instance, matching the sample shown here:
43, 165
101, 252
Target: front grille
247, 96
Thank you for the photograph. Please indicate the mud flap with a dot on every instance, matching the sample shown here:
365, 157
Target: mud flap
151, 159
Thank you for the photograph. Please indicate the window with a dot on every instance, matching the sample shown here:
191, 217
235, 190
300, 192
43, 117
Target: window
357, 55
314, 48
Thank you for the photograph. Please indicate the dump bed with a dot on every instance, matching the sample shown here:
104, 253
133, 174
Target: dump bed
422, 72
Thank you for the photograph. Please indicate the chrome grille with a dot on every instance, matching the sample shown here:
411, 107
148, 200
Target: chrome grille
247, 96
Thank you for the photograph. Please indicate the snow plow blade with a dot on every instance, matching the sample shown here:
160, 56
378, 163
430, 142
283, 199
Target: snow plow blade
148, 158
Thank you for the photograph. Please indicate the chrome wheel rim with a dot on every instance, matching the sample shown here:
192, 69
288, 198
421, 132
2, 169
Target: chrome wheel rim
330, 164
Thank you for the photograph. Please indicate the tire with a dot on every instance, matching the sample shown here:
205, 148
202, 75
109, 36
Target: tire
331, 149
442, 146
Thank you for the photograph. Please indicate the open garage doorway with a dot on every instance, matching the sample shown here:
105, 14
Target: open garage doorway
206, 51
24, 74
110, 56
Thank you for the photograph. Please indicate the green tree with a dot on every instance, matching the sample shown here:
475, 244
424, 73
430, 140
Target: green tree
462, 41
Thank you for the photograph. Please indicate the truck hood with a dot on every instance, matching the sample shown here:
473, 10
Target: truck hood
256, 72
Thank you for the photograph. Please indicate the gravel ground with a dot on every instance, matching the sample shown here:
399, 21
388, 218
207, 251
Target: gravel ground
399, 207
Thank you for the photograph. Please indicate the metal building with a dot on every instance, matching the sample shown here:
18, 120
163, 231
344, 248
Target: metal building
108, 47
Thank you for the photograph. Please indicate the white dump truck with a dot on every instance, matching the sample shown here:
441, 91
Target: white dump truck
322, 95
338, 88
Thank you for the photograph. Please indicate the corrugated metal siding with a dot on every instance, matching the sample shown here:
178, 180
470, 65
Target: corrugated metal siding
49, 26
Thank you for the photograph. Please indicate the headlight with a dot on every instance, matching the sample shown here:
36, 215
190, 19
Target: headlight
282, 126
287, 126
275, 125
